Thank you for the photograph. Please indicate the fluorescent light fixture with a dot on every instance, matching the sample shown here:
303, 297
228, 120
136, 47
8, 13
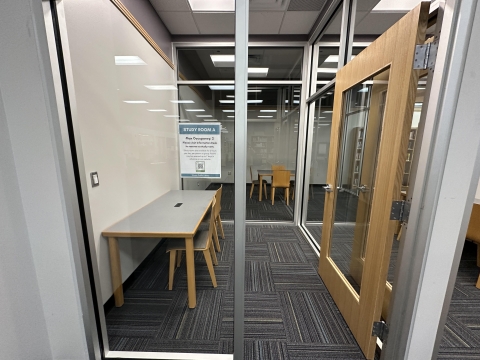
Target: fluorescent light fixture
257, 72
228, 110
254, 90
286, 110
254, 101
221, 87
334, 59
296, 101
268, 110
184, 120
364, 90
286, 101
204, 116
161, 87
172, 116
296, 96
265, 116
156, 110
129, 60
327, 70
419, 104
211, 120
135, 101
323, 124
230, 116
296, 90
327, 112
231, 96
226, 101
420, 88
182, 101
195, 110
212, 5
322, 117
223, 60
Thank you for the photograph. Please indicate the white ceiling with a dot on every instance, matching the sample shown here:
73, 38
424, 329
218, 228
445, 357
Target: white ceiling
266, 17
286, 17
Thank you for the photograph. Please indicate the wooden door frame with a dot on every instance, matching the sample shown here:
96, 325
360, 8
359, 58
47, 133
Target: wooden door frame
395, 49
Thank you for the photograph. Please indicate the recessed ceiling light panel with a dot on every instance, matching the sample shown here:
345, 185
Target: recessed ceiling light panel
212, 5
223, 60
161, 87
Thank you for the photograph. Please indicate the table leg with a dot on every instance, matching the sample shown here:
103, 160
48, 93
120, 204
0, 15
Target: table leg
115, 271
260, 181
192, 292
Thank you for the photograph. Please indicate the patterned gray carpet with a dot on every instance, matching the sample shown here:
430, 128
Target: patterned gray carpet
289, 314
461, 339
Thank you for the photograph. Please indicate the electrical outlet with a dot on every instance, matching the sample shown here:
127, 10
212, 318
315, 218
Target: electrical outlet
198, 184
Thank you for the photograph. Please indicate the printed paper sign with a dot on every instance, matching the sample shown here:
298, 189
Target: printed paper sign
200, 150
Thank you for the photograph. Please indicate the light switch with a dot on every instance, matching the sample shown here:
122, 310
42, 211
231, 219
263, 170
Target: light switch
94, 178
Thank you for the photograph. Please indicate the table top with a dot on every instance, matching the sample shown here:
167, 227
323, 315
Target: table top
161, 218
270, 172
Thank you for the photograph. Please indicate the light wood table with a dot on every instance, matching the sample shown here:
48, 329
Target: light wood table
161, 219
262, 173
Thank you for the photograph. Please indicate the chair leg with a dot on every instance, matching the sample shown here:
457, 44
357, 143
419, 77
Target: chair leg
265, 190
287, 195
171, 270
221, 226
272, 194
213, 254
251, 189
478, 255
478, 282
215, 238
208, 259
179, 257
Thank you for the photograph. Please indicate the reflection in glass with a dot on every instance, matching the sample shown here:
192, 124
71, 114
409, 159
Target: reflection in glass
272, 134
364, 106
218, 63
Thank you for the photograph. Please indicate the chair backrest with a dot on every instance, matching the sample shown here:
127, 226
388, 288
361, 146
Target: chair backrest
281, 178
218, 198
278, 167
211, 222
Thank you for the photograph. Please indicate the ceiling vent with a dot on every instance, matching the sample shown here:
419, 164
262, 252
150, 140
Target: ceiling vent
270, 5
306, 5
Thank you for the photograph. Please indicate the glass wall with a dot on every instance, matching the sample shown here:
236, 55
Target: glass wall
272, 136
272, 121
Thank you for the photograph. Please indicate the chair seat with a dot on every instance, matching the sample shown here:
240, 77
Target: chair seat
199, 242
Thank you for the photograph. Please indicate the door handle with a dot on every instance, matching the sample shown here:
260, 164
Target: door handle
328, 188
363, 188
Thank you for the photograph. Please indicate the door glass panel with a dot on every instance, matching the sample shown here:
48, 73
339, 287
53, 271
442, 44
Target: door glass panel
363, 111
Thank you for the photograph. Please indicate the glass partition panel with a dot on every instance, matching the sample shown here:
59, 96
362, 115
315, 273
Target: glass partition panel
264, 63
322, 126
362, 125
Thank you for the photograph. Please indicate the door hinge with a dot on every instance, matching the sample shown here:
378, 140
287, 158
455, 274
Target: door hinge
380, 330
400, 211
425, 56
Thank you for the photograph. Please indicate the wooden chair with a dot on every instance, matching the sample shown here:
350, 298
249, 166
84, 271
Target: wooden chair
473, 233
257, 182
278, 167
201, 242
281, 179
218, 220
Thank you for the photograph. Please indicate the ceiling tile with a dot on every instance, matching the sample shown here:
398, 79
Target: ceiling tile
265, 22
306, 5
298, 22
170, 5
376, 23
268, 5
179, 23
215, 23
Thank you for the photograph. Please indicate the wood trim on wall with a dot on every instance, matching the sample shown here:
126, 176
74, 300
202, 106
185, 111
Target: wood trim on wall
142, 31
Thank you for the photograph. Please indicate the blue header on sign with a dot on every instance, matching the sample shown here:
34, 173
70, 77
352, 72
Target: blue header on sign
199, 129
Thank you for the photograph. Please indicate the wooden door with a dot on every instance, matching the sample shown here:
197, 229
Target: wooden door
374, 101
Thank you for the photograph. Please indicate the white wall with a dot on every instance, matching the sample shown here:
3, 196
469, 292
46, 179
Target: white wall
133, 150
